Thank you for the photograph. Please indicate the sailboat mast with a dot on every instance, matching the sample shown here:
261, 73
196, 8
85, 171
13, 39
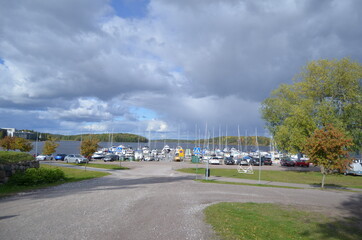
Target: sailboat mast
257, 146
213, 138
219, 137
226, 137
239, 140
246, 140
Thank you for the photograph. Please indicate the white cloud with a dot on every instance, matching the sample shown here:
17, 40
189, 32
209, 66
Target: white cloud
91, 110
157, 126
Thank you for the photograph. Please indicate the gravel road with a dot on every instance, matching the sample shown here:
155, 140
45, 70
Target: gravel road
150, 201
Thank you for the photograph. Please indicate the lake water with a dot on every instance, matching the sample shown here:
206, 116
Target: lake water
71, 147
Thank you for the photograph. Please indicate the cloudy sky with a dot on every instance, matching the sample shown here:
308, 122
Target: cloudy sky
167, 67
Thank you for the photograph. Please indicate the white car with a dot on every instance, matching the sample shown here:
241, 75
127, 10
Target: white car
43, 157
98, 155
355, 168
75, 158
214, 160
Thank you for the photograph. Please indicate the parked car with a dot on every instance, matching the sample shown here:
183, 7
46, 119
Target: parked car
98, 156
287, 161
43, 157
266, 160
245, 160
354, 168
302, 163
60, 156
75, 158
256, 161
228, 161
214, 160
110, 158
152, 158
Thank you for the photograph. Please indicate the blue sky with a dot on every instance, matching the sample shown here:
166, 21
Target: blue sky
143, 113
161, 66
130, 8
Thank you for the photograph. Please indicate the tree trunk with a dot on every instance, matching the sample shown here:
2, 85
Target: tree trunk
324, 176
324, 172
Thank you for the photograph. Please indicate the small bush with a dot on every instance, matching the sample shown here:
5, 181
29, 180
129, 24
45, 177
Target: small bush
36, 176
11, 157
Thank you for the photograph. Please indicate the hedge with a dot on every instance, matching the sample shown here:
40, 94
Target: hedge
13, 157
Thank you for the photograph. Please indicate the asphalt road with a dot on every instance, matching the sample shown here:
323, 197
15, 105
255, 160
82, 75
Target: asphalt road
150, 201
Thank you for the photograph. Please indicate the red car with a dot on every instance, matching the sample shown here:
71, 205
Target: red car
302, 163
286, 161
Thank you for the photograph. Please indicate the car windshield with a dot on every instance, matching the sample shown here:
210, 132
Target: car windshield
77, 155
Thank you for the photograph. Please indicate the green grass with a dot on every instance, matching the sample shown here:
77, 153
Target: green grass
277, 222
312, 178
100, 165
71, 175
247, 184
14, 157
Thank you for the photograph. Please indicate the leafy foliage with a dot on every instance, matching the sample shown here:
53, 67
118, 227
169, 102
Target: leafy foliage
89, 146
325, 92
50, 146
13, 143
36, 176
327, 148
8, 143
9, 157
23, 144
71, 175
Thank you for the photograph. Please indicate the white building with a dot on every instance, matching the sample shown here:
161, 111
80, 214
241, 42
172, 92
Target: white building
10, 131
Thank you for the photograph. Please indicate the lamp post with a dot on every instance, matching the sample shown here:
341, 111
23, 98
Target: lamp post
257, 145
36, 145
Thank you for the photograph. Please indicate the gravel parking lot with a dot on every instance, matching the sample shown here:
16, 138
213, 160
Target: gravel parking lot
150, 201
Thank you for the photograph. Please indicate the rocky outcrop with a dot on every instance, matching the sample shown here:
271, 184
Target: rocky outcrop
8, 169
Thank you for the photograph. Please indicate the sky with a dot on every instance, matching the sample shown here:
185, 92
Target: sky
161, 68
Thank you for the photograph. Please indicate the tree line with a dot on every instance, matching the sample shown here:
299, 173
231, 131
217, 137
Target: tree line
103, 137
226, 140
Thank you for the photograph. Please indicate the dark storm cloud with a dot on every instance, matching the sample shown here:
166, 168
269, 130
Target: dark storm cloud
233, 48
78, 65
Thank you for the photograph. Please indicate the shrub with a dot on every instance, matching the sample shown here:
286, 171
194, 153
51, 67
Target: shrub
10, 157
36, 176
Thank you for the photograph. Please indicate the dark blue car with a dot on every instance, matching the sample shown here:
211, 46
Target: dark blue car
60, 157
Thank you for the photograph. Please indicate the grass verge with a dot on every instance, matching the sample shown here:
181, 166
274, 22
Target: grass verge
100, 165
247, 184
71, 175
272, 221
311, 178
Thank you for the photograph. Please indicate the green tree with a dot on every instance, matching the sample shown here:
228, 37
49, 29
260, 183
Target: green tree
8, 143
89, 146
325, 92
50, 146
13, 143
24, 145
328, 148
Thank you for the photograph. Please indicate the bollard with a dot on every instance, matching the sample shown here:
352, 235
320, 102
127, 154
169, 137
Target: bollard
207, 172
